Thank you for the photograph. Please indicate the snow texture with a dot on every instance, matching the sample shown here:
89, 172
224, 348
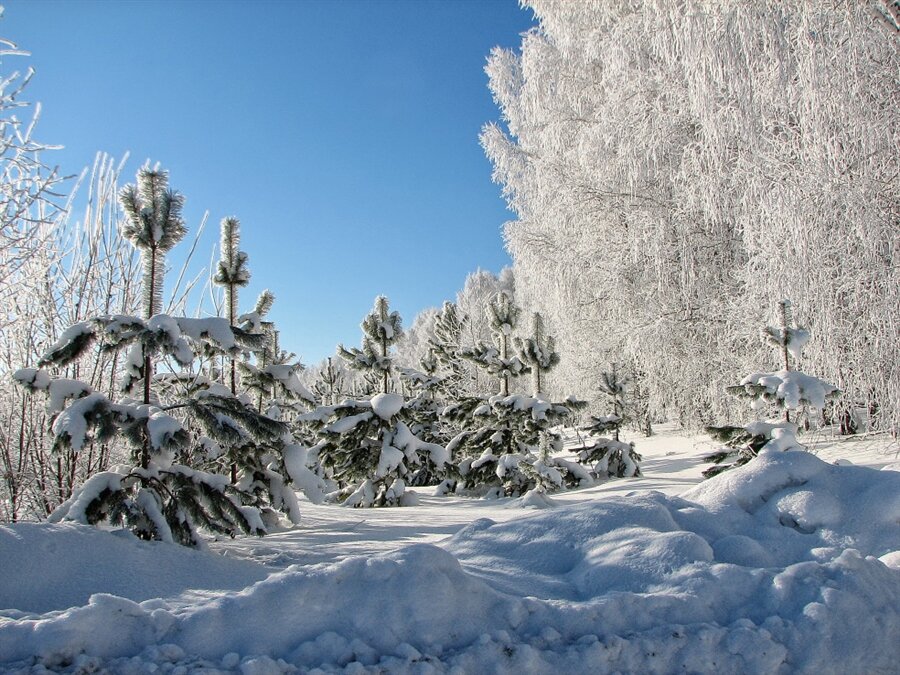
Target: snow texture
792, 387
387, 405
788, 564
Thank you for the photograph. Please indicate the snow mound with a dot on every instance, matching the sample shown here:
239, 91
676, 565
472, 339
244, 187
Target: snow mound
387, 405
50, 567
770, 568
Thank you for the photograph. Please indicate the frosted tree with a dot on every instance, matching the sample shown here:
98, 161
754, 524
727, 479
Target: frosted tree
29, 189
231, 274
537, 352
381, 328
661, 245
449, 328
367, 446
153, 225
329, 384
79, 267
783, 390
369, 451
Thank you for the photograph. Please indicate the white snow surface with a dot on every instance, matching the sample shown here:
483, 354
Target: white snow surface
387, 405
789, 564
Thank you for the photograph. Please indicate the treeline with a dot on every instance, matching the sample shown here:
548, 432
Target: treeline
676, 169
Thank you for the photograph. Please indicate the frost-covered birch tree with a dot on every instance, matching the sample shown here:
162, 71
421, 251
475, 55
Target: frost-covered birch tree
677, 167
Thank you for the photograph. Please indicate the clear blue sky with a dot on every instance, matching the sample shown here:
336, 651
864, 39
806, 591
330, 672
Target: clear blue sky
343, 135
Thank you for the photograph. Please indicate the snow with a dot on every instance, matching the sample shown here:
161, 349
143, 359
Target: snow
792, 387
387, 405
215, 329
788, 564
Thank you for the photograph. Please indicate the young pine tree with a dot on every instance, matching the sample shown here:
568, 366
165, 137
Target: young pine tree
381, 328
179, 417
446, 344
610, 457
231, 274
537, 352
782, 391
367, 446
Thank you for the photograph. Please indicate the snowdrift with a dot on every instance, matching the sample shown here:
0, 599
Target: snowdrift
789, 564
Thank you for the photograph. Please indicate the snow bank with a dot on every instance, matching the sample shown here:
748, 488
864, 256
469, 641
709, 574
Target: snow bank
776, 567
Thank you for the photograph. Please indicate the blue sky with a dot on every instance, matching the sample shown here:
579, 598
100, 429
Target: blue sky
343, 135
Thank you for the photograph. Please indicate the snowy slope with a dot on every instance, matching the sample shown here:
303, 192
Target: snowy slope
791, 564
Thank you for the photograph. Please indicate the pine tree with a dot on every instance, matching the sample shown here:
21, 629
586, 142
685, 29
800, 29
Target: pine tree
423, 409
231, 274
369, 451
381, 328
446, 345
154, 226
329, 384
610, 457
537, 352
496, 360
181, 416
366, 446
784, 390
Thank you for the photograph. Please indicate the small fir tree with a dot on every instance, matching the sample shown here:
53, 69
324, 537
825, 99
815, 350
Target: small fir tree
446, 345
381, 328
366, 446
784, 391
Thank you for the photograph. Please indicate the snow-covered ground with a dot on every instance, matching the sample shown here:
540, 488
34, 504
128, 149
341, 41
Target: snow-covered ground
790, 564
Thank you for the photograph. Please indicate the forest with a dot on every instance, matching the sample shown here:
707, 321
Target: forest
688, 378
679, 181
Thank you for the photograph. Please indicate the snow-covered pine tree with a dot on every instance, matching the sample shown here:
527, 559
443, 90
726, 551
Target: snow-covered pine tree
159, 496
154, 226
369, 451
503, 315
500, 445
610, 457
231, 274
423, 409
366, 446
381, 328
498, 448
329, 383
784, 390
537, 352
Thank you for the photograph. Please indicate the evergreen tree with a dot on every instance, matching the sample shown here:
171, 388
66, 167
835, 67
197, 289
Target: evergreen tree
537, 352
231, 274
446, 345
366, 446
183, 417
610, 457
784, 390
381, 328
369, 451
496, 360
423, 409
329, 384
154, 226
